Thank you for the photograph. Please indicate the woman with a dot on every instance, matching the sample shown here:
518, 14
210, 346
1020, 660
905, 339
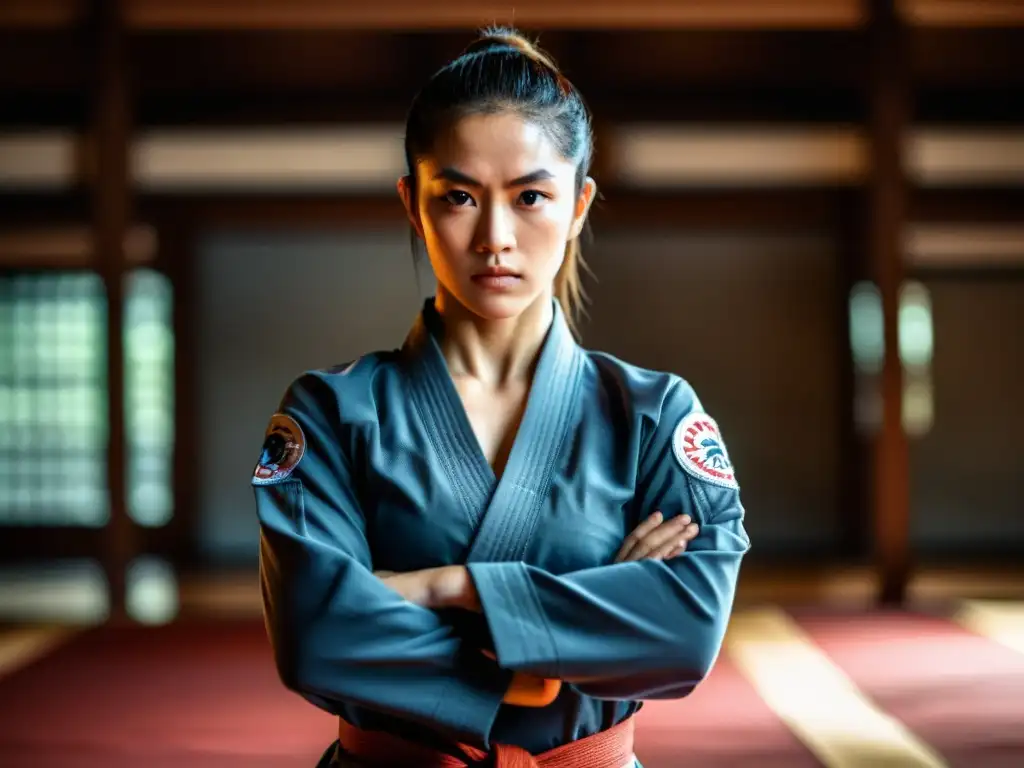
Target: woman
444, 552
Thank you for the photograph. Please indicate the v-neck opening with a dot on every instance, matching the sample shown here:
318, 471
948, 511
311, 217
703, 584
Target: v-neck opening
551, 404
449, 392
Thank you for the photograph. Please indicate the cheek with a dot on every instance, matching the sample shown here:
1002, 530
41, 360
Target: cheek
446, 235
544, 233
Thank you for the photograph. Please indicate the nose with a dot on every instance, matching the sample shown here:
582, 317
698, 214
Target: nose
495, 229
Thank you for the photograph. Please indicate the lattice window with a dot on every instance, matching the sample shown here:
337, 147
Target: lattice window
149, 396
53, 399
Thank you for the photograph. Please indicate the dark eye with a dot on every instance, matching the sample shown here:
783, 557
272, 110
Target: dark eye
457, 197
531, 197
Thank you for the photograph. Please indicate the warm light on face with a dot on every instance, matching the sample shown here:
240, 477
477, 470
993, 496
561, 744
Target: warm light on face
496, 193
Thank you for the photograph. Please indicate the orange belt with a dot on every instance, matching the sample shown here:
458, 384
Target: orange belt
608, 749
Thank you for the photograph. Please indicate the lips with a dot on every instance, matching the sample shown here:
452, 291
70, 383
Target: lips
496, 272
497, 278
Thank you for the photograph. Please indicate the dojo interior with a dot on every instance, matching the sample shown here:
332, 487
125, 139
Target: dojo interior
813, 212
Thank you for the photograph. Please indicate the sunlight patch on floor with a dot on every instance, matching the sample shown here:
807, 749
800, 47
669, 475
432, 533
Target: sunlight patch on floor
816, 699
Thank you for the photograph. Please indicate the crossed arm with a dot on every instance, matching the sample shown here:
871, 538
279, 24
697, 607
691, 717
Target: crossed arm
453, 587
342, 635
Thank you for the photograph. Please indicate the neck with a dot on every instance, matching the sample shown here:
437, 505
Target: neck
495, 352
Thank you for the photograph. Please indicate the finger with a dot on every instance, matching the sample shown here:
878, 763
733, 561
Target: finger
664, 552
678, 530
642, 530
674, 547
677, 546
664, 533
676, 552
681, 546
637, 535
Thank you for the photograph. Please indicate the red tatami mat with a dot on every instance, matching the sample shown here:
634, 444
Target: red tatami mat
207, 696
961, 693
723, 724
199, 696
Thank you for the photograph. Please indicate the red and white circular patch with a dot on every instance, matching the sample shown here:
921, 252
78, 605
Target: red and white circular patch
283, 447
700, 450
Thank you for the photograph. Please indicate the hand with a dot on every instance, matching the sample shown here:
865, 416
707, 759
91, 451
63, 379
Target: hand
447, 586
528, 690
531, 691
415, 586
656, 539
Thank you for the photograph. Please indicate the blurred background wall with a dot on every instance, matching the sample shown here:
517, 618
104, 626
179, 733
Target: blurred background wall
812, 211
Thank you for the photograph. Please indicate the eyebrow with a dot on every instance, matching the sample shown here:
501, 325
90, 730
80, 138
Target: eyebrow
457, 177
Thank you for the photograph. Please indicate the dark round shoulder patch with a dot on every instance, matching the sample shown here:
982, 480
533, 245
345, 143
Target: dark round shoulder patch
283, 446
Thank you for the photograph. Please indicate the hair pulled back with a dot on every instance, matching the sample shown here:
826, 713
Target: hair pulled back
502, 71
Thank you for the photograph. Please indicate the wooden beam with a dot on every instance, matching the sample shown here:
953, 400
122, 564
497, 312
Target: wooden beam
416, 14
672, 68
960, 14
40, 14
889, 98
110, 127
54, 246
178, 257
333, 60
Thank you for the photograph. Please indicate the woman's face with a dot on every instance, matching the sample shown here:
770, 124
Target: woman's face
496, 205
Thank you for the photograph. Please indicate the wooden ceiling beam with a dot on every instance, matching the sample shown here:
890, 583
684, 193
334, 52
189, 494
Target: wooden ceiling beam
41, 14
339, 60
455, 14
958, 14
539, 14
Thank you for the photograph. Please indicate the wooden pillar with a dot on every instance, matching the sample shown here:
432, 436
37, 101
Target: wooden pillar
889, 103
109, 131
179, 260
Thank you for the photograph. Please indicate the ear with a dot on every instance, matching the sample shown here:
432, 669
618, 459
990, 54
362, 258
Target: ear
405, 191
583, 203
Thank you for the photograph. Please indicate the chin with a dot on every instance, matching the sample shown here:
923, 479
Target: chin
493, 305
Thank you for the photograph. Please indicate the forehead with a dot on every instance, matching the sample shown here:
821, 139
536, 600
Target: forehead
502, 145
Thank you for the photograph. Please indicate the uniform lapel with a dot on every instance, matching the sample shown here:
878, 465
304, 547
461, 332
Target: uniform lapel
551, 412
443, 416
503, 513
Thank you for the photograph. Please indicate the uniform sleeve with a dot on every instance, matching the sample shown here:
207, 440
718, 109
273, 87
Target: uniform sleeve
637, 630
339, 634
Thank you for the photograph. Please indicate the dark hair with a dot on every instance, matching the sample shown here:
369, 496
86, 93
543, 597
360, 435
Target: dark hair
503, 71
